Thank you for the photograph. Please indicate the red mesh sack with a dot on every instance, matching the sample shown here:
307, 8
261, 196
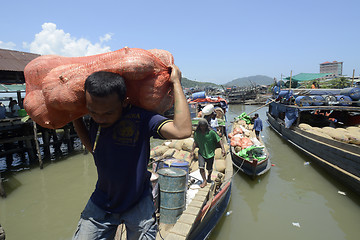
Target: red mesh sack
246, 142
55, 84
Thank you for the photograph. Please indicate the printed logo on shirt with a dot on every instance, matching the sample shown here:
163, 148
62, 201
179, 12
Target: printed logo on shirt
126, 132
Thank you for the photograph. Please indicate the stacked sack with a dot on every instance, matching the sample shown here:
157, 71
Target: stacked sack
346, 135
181, 149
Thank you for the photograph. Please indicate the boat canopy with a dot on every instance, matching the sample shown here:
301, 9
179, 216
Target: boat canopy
292, 111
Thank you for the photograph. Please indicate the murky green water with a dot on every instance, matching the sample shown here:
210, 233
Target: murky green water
46, 204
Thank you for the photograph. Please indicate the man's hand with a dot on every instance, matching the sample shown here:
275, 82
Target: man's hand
181, 126
175, 74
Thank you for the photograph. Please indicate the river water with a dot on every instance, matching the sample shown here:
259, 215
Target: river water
294, 200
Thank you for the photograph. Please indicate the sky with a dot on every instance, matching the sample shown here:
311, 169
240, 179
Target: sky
211, 41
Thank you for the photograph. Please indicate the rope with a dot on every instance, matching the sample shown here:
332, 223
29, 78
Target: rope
235, 172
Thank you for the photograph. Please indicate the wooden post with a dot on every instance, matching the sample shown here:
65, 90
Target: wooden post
22, 153
2, 190
37, 146
68, 139
28, 144
29, 150
290, 79
56, 142
18, 93
46, 143
352, 82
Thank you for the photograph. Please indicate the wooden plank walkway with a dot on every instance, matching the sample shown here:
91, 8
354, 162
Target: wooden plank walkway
181, 229
184, 224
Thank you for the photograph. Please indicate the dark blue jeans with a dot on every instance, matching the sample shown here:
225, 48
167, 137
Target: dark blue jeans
97, 224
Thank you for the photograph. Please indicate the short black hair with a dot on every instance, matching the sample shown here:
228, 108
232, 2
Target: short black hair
256, 115
102, 84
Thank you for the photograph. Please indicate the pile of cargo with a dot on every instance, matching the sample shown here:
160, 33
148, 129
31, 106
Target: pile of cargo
181, 150
346, 135
244, 141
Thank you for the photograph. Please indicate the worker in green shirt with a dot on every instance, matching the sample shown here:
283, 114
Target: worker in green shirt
206, 139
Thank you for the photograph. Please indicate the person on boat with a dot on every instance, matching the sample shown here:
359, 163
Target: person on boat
119, 139
2, 111
15, 109
209, 114
314, 85
206, 140
258, 126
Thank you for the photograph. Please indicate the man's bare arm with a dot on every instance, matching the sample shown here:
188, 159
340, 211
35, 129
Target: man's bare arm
83, 133
181, 126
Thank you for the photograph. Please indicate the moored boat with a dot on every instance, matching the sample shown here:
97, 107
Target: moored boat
249, 154
202, 208
239, 95
329, 134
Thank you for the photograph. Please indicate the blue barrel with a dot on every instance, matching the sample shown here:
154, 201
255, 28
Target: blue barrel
317, 100
172, 183
286, 94
303, 101
178, 163
198, 95
344, 100
354, 93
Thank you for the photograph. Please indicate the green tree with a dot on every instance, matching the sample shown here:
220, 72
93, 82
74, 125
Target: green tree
342, 82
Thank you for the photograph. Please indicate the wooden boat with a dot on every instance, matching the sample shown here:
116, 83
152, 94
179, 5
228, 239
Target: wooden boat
255, 163
307, 128
241, 94
205, 209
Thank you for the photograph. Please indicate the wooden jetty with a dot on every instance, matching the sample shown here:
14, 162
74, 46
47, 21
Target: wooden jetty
32, 143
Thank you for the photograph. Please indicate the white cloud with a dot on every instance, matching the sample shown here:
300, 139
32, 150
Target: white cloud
8, 45
55, 41
106, 37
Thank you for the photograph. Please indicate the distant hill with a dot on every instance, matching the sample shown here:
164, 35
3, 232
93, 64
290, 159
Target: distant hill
247, 81
187, 83
241, 82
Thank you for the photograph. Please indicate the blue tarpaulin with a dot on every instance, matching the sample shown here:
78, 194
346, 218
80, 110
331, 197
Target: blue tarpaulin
291, 114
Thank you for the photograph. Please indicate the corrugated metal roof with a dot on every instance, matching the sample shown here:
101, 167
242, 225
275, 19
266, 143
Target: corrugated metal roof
308, 76
15, 61
12, 88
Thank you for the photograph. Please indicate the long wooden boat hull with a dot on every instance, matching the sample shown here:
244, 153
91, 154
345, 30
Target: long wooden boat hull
339, 159
251, 168
213, 216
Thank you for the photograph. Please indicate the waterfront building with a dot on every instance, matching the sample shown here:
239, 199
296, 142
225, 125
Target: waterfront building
332, 67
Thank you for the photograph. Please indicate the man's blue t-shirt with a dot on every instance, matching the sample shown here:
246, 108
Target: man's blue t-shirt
258, 126
121, 157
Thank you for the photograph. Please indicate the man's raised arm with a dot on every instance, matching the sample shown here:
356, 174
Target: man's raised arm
181, 126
